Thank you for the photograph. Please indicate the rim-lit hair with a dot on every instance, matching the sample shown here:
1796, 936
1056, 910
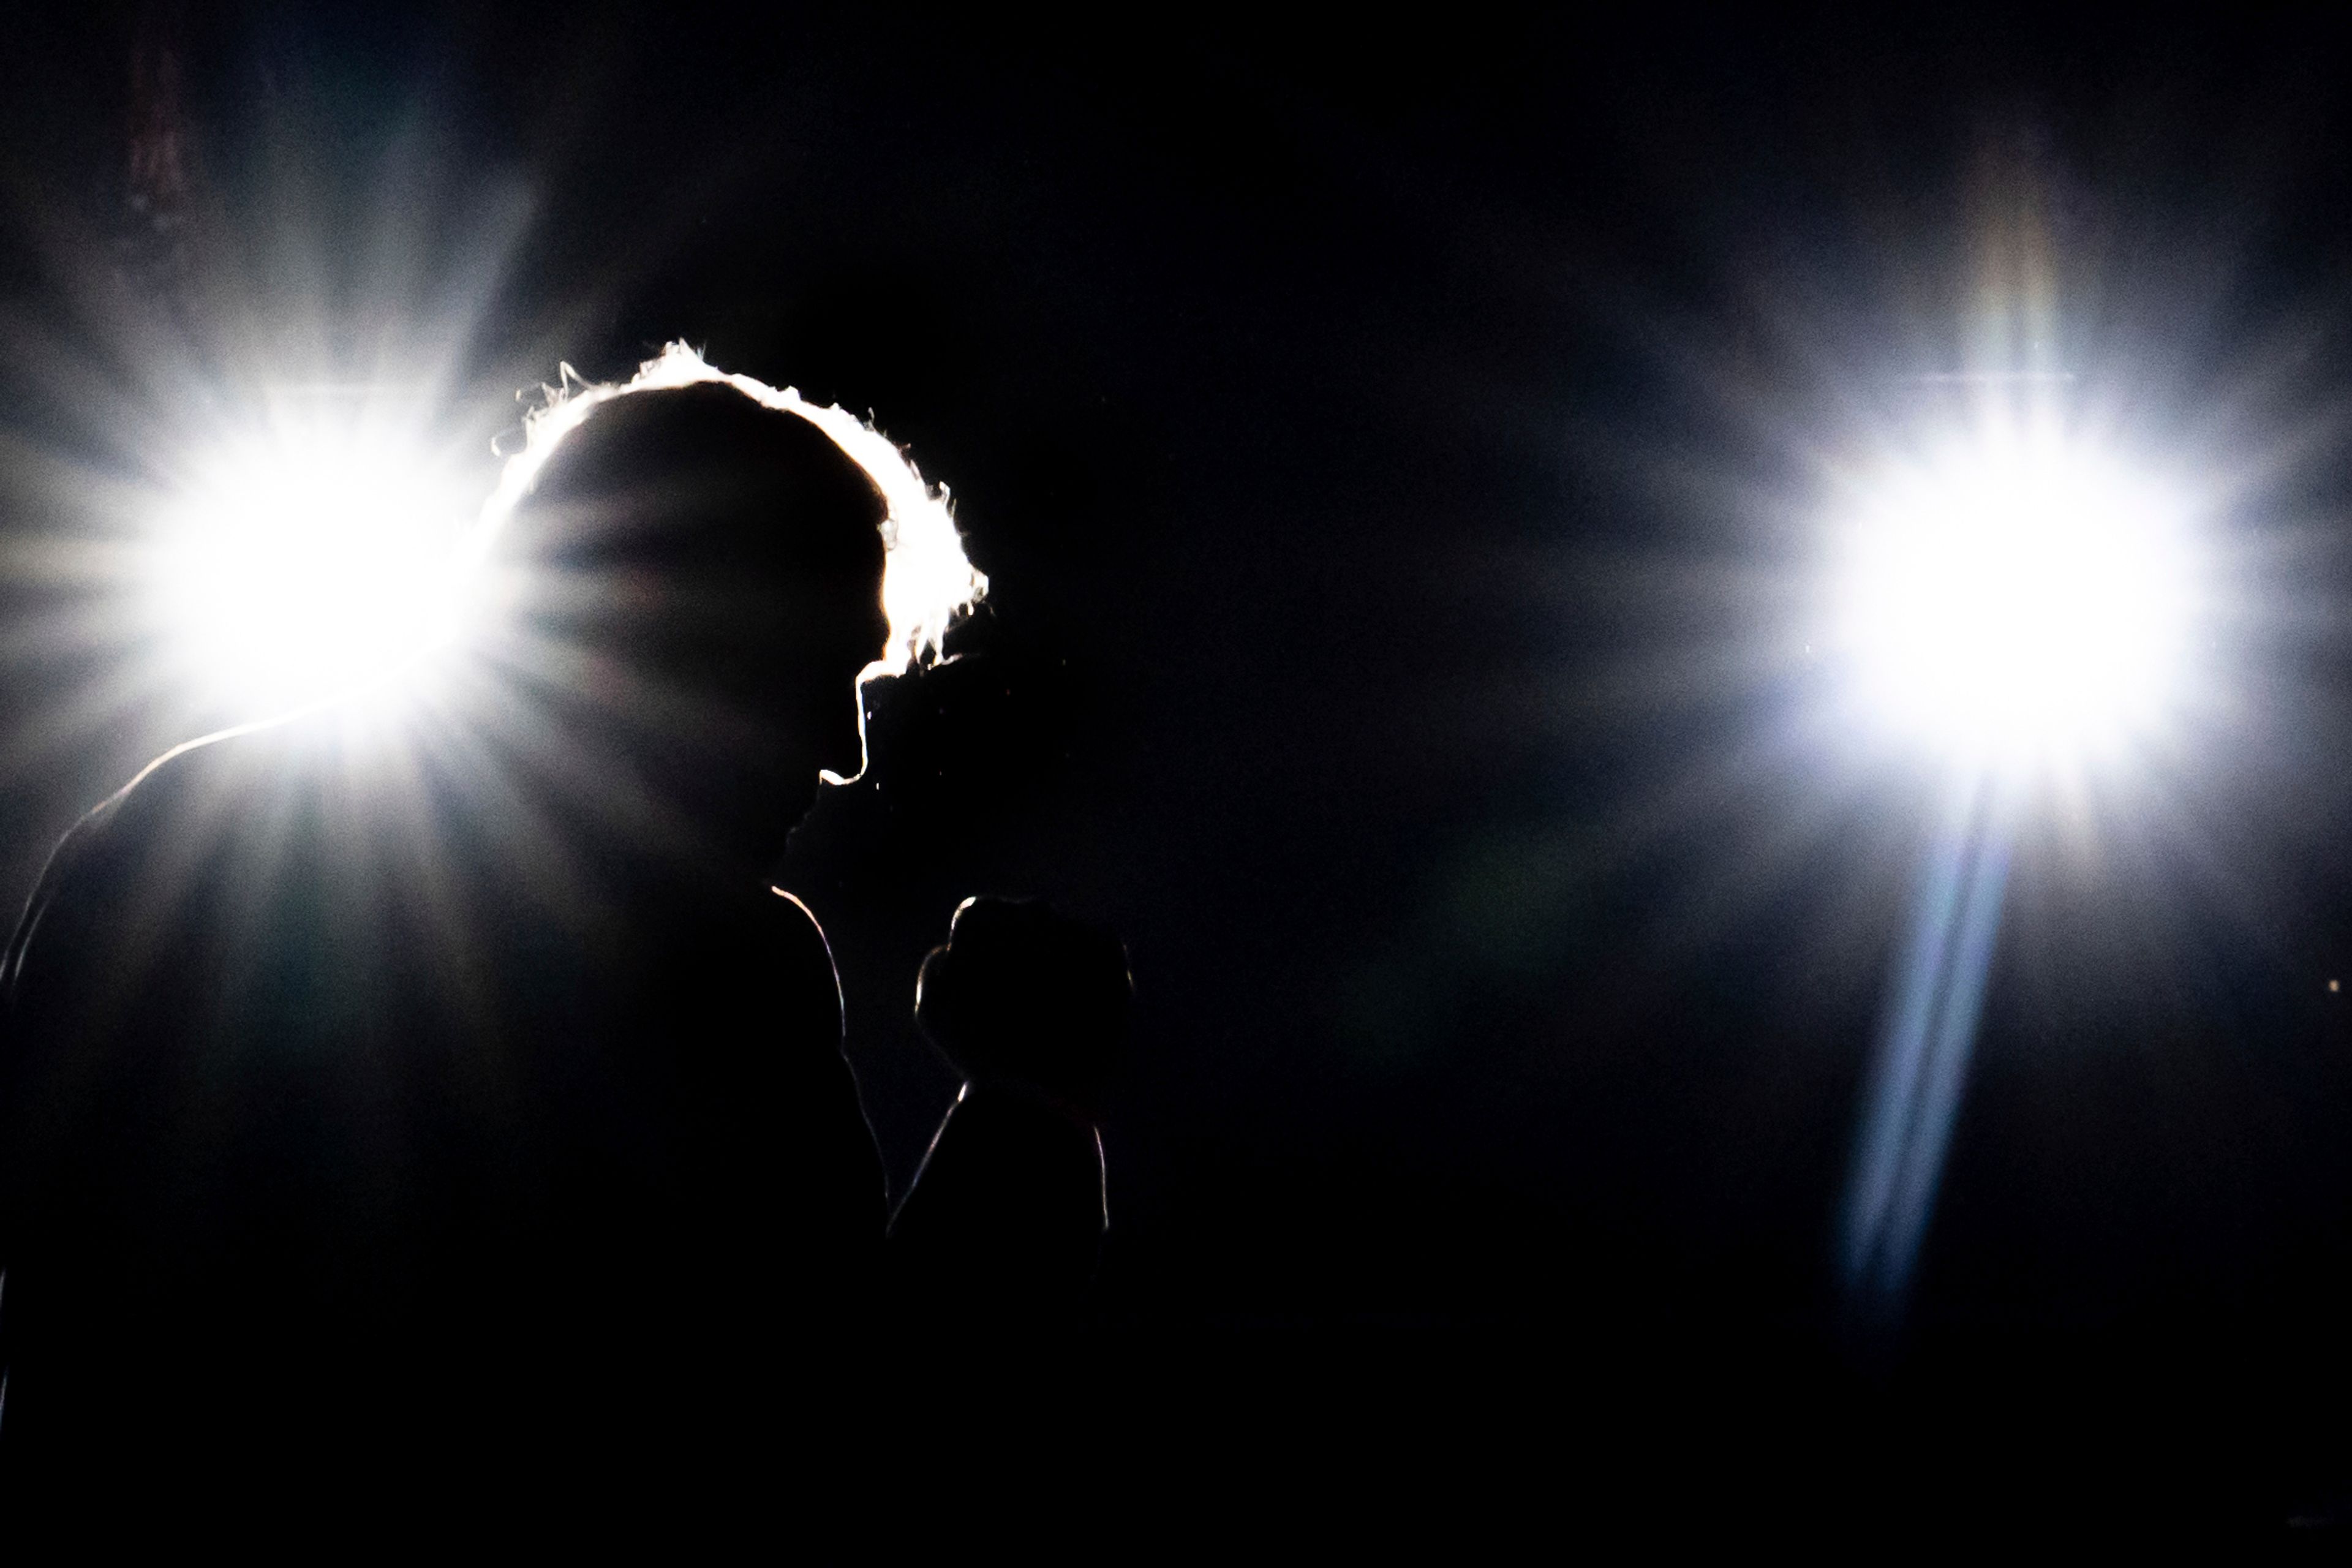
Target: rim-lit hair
927, 580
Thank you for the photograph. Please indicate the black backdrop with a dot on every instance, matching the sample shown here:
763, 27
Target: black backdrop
1391, 445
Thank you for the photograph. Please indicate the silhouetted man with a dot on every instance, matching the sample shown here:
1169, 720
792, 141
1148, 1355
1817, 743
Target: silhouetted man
444, 1075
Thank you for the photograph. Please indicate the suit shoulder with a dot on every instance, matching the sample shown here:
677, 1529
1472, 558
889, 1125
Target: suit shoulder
105, 852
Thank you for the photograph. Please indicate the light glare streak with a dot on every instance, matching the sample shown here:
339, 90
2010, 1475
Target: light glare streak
1914, 1094
2021, 604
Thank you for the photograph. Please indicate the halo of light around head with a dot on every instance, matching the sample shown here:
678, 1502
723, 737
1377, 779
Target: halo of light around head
2019, 599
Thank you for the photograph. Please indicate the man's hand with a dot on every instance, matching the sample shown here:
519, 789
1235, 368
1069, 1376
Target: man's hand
1028, 998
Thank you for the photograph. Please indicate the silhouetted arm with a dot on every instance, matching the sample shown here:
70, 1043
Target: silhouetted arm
1009, 1210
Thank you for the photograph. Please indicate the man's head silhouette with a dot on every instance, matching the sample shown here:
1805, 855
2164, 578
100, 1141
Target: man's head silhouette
451, 1052
706, 572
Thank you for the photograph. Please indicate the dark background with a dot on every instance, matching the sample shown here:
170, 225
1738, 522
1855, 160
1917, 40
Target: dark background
1397, 451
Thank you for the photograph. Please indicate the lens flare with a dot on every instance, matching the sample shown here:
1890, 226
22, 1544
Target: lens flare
2019, 599
306, 560
2015, 600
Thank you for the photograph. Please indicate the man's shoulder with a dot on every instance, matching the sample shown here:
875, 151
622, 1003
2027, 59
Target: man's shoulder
207, 780
215, 771
160, 826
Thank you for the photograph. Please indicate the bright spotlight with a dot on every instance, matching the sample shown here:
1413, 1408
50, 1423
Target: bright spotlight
306, 560
2019, 599
2014, 599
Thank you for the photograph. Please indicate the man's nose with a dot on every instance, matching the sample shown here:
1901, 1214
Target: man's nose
843, 748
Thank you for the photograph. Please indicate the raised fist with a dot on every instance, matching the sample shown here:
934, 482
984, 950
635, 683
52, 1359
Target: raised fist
1024, 998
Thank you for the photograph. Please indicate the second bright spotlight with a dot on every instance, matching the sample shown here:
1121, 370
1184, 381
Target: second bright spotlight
2015, 600
2018, 596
